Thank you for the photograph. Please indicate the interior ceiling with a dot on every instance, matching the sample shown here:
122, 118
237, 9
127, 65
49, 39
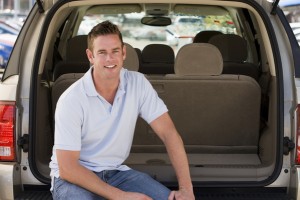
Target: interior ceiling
158, 9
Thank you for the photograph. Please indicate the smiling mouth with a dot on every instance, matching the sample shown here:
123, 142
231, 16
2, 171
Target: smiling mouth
110, 66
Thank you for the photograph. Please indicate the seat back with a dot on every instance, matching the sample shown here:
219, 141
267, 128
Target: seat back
131, 61
204, 36
212, 112
76, 60
61, 84
76, 47
157, 59
234, 52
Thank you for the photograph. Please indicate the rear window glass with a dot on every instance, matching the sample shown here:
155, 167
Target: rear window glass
182, 30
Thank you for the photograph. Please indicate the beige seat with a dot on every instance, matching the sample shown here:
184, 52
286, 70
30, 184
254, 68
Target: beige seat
214, 113
61, 84
131, 61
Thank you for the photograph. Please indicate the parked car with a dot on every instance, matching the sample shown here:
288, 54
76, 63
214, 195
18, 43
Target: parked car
6, 45
158, 34
15, 23
183, 28
296, 29
234, 99
12, 15
7, 29
8, 36
291, 9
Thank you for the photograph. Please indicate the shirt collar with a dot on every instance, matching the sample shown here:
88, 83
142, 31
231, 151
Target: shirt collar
89, 85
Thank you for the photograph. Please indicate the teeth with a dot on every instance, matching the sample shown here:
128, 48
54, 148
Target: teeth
110, 66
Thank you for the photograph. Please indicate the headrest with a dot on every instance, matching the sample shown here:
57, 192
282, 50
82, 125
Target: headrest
198, 59
204, 36
131, 61
232, 47
76, 49
158, 53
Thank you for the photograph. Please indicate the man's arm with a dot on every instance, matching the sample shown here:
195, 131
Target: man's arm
165, 129
71, 171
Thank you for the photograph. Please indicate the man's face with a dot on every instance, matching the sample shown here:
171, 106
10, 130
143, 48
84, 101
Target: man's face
107, 56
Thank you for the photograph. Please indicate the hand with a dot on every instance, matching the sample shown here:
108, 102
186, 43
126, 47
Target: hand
182, 194
134, 196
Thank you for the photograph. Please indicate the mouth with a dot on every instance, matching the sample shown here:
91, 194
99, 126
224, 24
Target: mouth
110, 66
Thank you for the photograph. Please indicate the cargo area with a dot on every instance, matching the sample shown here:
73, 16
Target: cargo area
221, 93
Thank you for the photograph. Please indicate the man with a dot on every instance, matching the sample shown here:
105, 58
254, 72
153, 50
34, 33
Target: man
94, 125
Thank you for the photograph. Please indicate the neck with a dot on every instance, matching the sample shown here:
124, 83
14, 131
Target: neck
107, 88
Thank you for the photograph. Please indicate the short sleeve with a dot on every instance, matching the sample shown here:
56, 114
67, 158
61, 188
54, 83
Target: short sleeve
68, 124
152, 106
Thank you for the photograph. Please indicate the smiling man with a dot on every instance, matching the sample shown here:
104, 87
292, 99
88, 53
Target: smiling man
94, 124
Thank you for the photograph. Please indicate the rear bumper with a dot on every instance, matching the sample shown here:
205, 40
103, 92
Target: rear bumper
259, 193
294, 185
263, 193
10, 180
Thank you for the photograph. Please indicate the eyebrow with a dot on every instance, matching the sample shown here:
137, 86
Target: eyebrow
104, 50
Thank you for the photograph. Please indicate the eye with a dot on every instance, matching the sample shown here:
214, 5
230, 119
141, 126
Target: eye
101, 52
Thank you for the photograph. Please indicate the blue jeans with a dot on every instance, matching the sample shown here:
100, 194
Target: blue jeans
130, 181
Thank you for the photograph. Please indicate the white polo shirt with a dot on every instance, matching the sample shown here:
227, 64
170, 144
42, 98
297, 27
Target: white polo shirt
103, 133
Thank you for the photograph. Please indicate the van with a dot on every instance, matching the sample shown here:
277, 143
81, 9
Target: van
233, 96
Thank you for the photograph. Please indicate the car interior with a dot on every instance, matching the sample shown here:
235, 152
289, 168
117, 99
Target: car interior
220, 88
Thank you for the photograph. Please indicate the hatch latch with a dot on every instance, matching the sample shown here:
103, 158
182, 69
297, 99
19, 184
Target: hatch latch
288, 145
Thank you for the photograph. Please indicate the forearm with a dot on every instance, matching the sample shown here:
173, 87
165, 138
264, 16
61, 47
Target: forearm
179, 160
167, 132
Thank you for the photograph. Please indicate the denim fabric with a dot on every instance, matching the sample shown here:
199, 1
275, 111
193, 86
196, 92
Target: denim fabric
130, 180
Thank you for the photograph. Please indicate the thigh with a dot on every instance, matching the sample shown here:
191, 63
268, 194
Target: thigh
135, 181
63, 190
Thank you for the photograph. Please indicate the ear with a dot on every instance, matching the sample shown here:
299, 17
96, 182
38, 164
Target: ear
124, 52
90, 55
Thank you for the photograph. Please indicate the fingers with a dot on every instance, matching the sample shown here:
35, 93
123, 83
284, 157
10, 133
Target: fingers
172, 195
181, 195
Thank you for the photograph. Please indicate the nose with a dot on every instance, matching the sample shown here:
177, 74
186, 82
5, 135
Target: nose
109, 56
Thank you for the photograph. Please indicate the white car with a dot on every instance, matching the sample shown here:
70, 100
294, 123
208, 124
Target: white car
234, 99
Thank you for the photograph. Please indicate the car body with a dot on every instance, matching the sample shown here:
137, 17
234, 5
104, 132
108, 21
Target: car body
234, 99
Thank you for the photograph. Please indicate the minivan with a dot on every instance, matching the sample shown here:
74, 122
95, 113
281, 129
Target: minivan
233, 95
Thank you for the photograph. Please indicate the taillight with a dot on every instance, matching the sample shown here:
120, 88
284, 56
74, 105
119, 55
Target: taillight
7, 127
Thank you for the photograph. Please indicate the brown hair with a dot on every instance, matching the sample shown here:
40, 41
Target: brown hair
103, 28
